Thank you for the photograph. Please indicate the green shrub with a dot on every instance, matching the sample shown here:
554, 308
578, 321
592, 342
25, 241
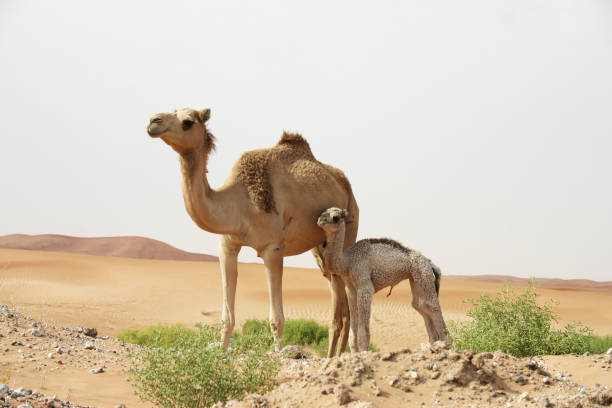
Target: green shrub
196, 371
160, 335
599, 344
518, 325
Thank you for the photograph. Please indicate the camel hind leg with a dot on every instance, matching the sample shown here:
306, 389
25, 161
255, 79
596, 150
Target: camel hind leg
425, 301
273, 261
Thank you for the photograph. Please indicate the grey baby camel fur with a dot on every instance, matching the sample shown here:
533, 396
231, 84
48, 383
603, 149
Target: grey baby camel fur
373, 264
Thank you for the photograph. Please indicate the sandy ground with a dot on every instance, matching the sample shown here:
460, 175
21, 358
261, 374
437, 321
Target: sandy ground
111, 294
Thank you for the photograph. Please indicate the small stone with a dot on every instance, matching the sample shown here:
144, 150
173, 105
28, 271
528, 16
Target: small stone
89, 345
532, 364
545, 402
24, 391
386, 356
364, 404
546, 380
342, 394
292, 351
88, 331
35, 332
586, 354
413, 374
609, 352
16, 343
520, 379
524, 396
583, 390
450, 378
419, 356
4, 389
442, 356
435, 375
97, 370
51, 355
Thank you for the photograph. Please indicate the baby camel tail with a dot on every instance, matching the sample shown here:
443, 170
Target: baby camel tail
373, 264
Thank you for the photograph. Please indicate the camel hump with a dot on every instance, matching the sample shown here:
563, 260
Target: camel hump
390, 243
293, 139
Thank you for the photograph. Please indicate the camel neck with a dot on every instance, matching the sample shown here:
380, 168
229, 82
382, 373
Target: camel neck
207, 208
334, 251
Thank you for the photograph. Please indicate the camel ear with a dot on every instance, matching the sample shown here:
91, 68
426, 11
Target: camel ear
204, 115
344, 214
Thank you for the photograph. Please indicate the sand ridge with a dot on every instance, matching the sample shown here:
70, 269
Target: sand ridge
111, 294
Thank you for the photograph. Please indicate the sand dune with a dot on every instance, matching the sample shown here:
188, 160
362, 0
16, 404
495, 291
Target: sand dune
112, 293
122, 247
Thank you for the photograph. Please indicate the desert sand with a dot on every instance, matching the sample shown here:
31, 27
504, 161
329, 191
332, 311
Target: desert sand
111, 294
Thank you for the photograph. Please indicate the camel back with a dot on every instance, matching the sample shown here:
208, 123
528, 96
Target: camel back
292, 152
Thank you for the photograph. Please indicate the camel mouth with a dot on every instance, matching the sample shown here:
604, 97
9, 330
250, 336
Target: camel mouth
154, 130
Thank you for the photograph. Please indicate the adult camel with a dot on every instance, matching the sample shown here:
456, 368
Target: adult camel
270, 202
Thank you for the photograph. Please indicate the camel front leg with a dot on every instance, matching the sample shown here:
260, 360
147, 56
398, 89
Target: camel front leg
273, 261
228, 260
339, 329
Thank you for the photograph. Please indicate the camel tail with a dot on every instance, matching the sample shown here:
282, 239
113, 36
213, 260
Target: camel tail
438, 276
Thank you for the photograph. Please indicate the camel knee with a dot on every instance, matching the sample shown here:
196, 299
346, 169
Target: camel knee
277, 326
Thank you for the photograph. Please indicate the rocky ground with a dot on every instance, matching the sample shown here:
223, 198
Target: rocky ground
27, 343
431, 376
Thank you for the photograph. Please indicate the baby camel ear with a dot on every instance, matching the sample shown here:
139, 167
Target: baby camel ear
344, 214
204, 115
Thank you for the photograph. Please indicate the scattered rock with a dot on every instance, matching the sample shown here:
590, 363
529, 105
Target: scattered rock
364, 404
524, 397
291, 351
342, 394
24, 391
256, 401
88, 331
4, 389
609, 352
89, 345
97, 370
35, 332
17, 343
545, 402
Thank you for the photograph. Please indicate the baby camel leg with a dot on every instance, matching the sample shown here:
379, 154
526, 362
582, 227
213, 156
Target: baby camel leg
351, 294
425, 301
339, 329
365, 293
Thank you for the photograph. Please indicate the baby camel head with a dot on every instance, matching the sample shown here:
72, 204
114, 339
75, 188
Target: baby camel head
184, 130
331, 218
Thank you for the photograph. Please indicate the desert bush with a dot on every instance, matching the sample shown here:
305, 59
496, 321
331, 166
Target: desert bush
159, 335
196, 371
304, 332
516, 324
599, 344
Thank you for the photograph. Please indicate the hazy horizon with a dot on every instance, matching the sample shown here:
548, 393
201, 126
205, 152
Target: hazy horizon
479, 133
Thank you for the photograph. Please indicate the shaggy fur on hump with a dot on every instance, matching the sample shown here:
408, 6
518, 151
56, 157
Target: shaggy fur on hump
394, 244
390, 242
293, 151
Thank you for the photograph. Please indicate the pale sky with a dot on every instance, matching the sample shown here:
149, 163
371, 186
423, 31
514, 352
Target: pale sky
478, 132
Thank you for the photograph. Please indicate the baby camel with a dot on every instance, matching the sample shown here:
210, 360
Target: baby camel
373, 264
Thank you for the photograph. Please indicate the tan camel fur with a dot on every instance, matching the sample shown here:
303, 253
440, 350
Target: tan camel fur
373, 264
270, 202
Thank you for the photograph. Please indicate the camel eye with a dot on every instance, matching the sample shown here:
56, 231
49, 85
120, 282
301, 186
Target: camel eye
187, 124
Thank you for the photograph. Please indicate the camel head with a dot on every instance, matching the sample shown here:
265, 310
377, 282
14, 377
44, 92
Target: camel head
330, 219
184, 130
